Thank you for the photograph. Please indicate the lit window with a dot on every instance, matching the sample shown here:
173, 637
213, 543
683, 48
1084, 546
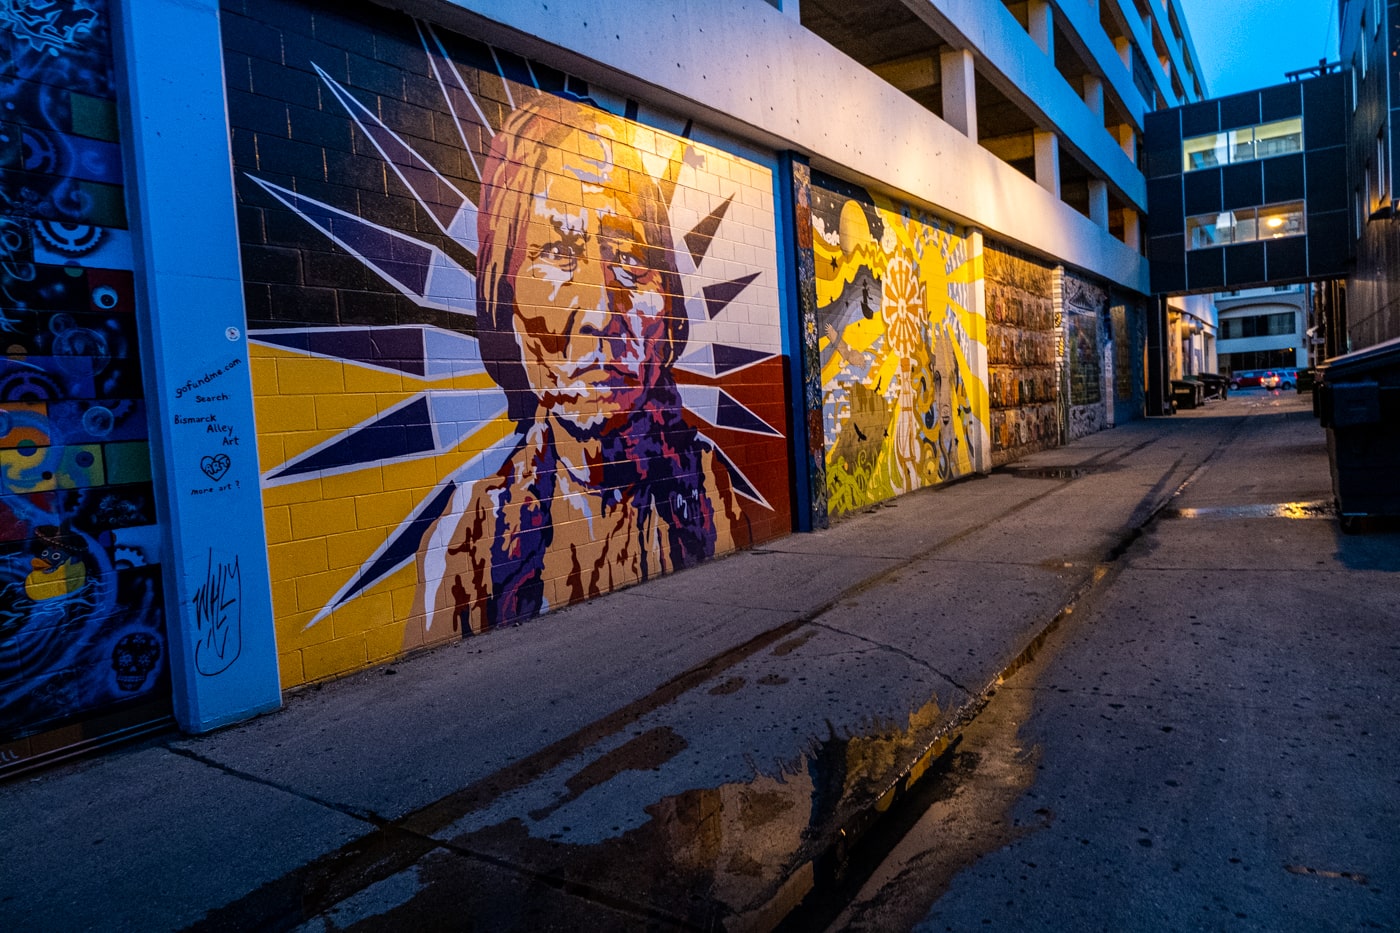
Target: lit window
1205, 152
1245, 226
1280, 220
1242, 145
1278, 138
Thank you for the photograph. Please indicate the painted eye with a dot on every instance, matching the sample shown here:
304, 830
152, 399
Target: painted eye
105, 297
559, 253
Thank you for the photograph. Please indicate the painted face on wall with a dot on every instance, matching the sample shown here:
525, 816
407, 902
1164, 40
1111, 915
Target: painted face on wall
590, 306
580, 313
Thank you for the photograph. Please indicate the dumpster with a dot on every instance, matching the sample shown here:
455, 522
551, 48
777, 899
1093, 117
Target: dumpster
1187, 393
1216, 385
1357, 399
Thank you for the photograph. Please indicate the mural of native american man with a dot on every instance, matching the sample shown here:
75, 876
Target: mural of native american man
518, 355
579, 321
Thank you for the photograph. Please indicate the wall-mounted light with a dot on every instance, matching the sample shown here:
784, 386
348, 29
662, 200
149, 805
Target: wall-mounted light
1275, 222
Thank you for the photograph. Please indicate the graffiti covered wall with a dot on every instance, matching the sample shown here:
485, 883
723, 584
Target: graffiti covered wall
903, 406
1086, 323
1129, 359
81, 622
1022, 353
513, 348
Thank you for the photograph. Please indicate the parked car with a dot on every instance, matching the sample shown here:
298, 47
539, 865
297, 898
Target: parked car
1246, 378
1287, 378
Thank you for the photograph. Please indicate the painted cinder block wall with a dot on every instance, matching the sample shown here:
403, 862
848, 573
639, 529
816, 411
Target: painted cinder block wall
435, 264
380, 476
413, 481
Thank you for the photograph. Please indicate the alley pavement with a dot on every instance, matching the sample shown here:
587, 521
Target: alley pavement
697, 752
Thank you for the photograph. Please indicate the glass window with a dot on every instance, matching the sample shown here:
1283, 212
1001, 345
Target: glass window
1242, 144
1204, 152
1280, 220
1202, 231
1246, 226
1278, 138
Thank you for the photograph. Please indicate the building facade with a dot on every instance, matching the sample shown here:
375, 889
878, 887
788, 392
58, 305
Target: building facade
427, 321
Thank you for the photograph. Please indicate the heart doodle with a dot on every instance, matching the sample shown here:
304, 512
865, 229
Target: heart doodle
216, 466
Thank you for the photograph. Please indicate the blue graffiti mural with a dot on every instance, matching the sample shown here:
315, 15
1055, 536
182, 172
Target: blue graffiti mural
81, 618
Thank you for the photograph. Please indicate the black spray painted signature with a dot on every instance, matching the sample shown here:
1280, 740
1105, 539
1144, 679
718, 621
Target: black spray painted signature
218, 616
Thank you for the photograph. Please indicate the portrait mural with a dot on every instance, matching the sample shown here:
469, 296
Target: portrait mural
1023, 352
903, 406
82, 636
513, 347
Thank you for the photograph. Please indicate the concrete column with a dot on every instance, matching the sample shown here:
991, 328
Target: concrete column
959, 91
1047, 161
218, 602
1127, 138
1132, 229
1098, 202
1040, 20
1093, 94
1124, 46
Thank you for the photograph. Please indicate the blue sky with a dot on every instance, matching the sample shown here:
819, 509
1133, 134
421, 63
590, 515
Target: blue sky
1249, 44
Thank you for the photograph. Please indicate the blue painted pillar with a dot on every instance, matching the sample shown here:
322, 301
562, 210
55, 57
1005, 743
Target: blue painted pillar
218, 600
800, 338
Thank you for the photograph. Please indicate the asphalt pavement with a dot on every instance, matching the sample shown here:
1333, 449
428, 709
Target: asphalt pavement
698, 752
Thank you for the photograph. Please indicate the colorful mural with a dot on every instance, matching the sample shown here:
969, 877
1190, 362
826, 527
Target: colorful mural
1023, 354
1086, 321
81, 622
903, 406
513, 348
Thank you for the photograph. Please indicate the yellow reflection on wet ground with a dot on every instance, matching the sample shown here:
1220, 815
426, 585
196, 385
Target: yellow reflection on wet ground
1321, 508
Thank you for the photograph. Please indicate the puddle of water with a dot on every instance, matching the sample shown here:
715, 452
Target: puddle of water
1051, 472
1293, 510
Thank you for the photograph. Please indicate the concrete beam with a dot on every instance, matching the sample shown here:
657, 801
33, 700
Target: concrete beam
909, 74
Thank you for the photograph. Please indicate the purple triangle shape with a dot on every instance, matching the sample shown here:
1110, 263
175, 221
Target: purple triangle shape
719, 295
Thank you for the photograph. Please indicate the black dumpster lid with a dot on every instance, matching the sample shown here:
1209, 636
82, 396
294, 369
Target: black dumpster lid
1382, 355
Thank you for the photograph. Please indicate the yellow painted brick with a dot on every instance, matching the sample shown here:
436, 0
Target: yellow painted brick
363, 614
297, 558
270, 452
353, 548
276, 413
414, 474
385, 643
308, 490
289, 664
278, 523
293, 633
326, 517
384, 509
284, 597
357, 483
406, 599
309, 376
315, 590
344, 410
341, 656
